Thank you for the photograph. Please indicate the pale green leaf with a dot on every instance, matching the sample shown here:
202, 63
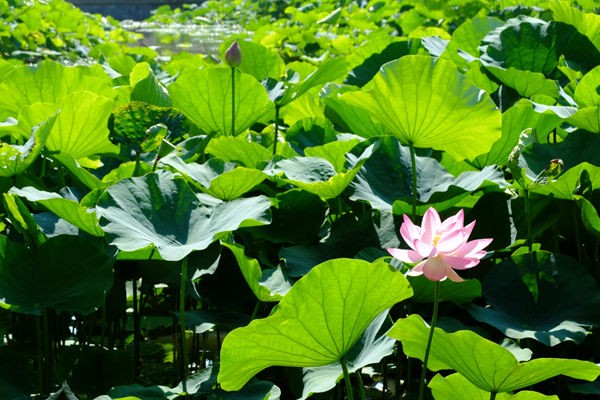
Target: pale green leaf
68, 209
205, 97
430, 104
457, 387
81, 128
316, 323
485, 364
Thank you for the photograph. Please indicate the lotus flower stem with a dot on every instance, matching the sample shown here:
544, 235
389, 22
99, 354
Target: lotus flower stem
255, 310
413, 171
436, 300
349, 393
232, 101
136, 330
528, 219
184, 355
361, 385
40, 356
276, 134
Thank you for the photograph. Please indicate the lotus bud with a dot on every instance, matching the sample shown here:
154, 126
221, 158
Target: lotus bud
233, 55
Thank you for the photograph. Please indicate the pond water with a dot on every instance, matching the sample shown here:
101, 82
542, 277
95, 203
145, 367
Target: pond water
174, 38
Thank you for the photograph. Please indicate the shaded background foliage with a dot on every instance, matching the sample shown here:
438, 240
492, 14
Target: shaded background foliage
130, 211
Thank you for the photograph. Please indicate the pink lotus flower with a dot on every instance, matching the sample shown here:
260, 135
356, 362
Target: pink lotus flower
440, 247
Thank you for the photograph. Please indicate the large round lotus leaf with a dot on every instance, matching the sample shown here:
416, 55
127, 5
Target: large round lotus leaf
317, 323
370, 349
487, 365
146, 87
51, 82
428, 103
259, 61
531, 44
457, 387
66, 273
586, 23
158, 210
524, 43
386, 177
218, 178
205, 98
467, 38
587, 90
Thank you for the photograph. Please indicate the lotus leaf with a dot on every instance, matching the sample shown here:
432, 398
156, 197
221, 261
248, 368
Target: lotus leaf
560, 307
317, 323
158, 210
205, 98
485, 364
66, 273
428, 103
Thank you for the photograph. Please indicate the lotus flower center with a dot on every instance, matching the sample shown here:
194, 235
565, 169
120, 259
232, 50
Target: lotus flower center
436, 239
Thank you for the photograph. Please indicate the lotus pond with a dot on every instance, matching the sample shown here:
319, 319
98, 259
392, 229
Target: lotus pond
383, 199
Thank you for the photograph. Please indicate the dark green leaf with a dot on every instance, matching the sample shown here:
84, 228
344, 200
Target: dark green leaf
561, 305
66, 273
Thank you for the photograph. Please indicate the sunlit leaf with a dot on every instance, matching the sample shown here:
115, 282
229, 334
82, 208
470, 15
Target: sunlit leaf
15, 159
67, 208
430, 104
49, 82
317, 323
485, 364
221, 180
205, 98
146, 87
370, 349
238, 149
457, 387
586, 23
259, 61
81, 128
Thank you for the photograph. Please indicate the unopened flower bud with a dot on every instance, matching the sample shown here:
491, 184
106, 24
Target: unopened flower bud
233, 55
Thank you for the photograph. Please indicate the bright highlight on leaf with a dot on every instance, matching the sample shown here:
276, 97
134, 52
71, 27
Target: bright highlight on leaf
316, 323
205, 98
485, 364
427, 103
